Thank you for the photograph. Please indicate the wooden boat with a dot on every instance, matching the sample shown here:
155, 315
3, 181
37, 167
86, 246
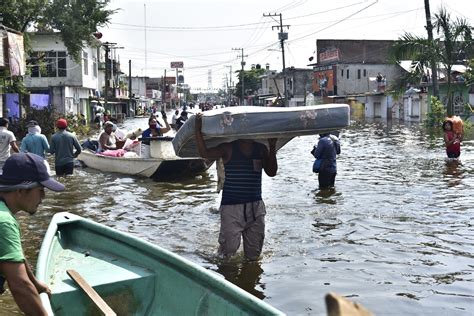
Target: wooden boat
260, 123
163, 163
133, 276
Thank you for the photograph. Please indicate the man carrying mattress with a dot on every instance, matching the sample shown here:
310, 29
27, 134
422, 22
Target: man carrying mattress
242, 209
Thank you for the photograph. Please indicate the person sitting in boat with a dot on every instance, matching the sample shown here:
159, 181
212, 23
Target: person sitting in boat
107, 139
174, 118
181, 119
155, 129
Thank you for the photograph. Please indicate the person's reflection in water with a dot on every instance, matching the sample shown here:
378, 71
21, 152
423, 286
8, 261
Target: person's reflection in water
245, 274
453, 174
325, 196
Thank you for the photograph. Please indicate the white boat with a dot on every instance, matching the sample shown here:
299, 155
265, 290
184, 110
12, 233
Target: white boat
163, 163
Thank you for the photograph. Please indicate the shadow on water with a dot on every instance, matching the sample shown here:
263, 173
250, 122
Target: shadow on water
245, 274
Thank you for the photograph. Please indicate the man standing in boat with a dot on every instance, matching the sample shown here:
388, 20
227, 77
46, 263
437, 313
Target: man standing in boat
242, 209
21, 189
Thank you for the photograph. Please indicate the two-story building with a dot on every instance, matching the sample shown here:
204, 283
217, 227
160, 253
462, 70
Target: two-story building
63, 82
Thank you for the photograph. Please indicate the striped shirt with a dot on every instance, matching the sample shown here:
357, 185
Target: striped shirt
243, 176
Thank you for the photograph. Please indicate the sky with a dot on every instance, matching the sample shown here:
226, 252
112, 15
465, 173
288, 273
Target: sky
208, 35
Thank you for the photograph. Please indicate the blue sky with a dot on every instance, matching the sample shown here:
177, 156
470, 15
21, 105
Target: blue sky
202, 33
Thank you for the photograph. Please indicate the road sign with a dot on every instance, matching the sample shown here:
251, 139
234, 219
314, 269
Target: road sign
177, 64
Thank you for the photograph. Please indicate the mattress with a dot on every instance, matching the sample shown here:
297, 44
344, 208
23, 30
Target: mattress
260, 123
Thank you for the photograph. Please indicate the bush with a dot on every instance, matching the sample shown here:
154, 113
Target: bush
437, 113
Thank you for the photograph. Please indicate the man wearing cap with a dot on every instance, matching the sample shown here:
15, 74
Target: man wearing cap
34, 142
21, 189
107, 139
62, 145
7, 141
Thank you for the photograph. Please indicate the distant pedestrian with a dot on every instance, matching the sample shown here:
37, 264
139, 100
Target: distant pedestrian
7, 141
327, 149
34, 142
21, 189
174, 118
62, 145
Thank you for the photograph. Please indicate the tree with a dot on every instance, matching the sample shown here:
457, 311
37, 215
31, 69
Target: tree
454, 39
77, 20
251, 81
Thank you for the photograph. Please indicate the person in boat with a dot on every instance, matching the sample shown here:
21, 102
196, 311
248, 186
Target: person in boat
327, 149
107, 139
21, 189
452, 140
154, 129
242, 209
7, 141
34, 142
181, 119
62, 146
174, 118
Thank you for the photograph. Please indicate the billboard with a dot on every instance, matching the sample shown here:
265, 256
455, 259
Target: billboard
16, 54
323, 81
177, 64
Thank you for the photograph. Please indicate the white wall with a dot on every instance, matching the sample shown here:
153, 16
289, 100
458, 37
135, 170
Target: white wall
377, 106
355, 85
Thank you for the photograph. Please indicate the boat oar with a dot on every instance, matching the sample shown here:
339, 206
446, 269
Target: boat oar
98, 301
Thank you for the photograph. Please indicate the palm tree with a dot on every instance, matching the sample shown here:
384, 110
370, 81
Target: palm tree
454, 39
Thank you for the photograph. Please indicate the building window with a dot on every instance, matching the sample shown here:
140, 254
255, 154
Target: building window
48, 64
94, 66
342, 72
358, 73
347, 73
365, 72
85, 62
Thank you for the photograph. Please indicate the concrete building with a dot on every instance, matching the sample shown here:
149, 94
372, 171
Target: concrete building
53, 72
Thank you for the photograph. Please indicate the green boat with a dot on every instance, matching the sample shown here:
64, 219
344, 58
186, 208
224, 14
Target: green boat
132, 276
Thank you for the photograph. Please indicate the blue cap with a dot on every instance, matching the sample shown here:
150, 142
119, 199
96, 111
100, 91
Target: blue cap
25, 171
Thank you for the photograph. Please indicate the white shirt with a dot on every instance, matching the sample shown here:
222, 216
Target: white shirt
6, 137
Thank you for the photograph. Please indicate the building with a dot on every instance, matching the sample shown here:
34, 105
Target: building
60, 80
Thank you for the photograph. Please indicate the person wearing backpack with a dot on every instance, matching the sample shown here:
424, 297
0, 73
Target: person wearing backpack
327, 149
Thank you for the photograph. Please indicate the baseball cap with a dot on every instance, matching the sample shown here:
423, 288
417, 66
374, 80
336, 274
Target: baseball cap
26, 171
61, 123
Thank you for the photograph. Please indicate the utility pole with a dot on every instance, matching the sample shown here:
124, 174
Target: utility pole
434, 67
229, 87
130, 102
108, 66
282, 36
163, 93
242, 63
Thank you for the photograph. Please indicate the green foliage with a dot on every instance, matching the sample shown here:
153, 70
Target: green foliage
75, 19
12, 84
470, 73
251, 82
437, 113
454, 36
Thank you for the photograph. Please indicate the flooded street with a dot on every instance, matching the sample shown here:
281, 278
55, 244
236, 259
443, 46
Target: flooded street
396, 235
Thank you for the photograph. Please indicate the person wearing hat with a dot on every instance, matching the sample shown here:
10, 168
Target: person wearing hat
21, 189
7, 141
34, 142
63, 144
107, 139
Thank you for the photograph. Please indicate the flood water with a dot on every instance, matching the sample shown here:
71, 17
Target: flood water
396, 235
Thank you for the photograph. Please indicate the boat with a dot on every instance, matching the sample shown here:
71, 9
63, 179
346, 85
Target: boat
163, 163
260, 123
132, 276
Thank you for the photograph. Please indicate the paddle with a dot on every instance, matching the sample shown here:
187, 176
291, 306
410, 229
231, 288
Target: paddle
98, 301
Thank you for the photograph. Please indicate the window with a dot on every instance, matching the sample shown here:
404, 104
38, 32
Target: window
94, 67
365, 73
358, 73
85, 62
48, 64
342, 72
347, 73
